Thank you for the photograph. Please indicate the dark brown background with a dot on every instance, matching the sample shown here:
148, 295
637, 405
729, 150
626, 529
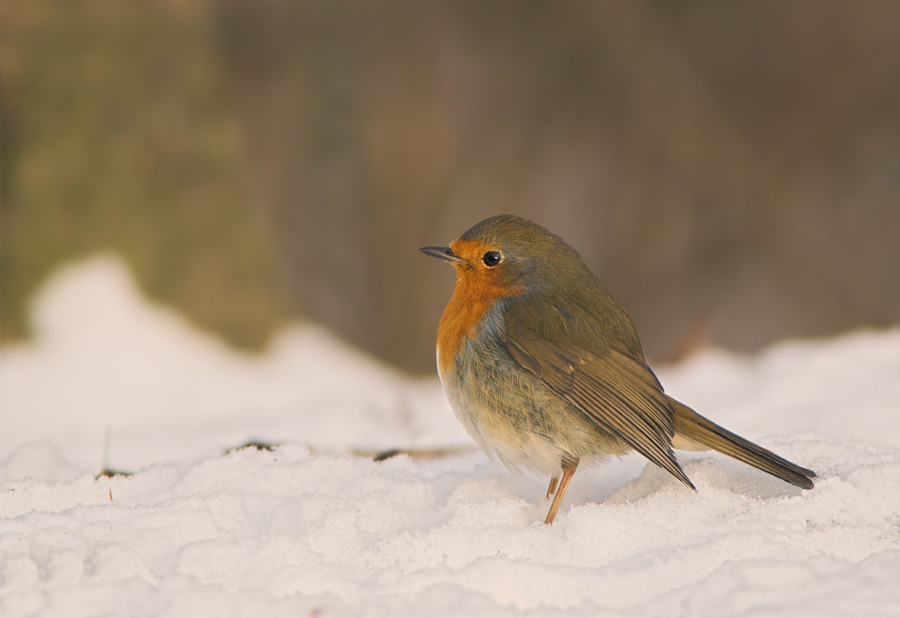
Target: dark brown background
730, 170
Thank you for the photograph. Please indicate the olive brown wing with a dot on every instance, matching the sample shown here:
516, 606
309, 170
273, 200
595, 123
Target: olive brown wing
615, 391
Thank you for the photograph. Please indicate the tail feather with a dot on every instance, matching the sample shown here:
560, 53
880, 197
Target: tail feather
691, 425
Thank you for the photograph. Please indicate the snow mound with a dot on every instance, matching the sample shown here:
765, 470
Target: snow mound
111, 378
306, 529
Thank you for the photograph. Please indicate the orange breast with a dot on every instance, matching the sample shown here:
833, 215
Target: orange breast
472, 298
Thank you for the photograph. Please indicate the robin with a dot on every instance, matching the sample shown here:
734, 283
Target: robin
545, 370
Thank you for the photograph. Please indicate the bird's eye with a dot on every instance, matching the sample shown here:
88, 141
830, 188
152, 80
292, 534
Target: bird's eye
491, 258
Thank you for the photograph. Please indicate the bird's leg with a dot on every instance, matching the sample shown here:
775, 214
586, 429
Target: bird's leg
552, 489
568, 469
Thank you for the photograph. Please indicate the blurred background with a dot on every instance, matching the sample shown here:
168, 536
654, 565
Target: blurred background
730, 170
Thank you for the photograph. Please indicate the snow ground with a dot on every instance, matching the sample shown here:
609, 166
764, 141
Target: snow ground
309, 529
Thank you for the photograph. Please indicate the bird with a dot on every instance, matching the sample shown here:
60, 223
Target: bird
545, 370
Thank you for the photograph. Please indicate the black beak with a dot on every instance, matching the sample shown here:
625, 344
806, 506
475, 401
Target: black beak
442, 253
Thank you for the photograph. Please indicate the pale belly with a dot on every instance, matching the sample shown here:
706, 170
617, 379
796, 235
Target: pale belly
517, 419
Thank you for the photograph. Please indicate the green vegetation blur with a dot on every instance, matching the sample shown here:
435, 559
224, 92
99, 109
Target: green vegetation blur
730, 170
117, 135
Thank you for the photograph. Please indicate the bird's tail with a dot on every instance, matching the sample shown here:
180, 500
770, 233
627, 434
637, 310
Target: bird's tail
695, 429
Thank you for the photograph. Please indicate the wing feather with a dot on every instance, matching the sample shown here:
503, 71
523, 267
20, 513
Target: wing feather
615, 391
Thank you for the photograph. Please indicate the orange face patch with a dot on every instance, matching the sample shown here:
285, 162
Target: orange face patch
477, 288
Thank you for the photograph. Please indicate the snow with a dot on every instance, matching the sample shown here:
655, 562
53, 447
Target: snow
312, 529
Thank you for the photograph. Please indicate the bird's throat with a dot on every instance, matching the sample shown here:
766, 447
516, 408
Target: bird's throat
472, 299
